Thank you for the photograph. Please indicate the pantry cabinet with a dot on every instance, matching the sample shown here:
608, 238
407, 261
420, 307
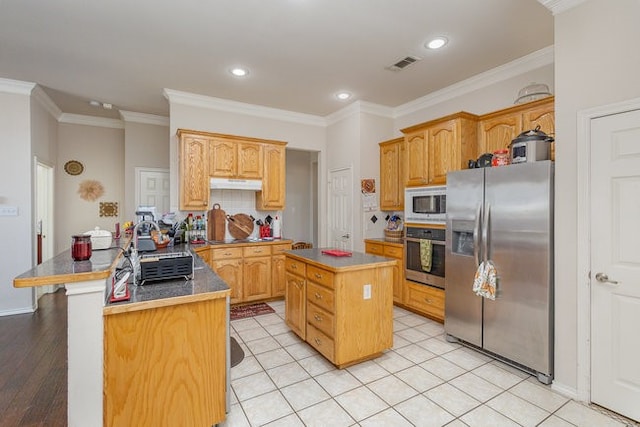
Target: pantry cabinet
193, 169
436, 147
272, 196
392, 175
496, 130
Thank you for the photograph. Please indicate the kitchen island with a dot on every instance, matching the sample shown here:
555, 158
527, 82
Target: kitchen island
342, 306
158, 356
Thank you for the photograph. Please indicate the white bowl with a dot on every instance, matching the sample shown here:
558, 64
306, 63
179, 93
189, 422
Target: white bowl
100, 239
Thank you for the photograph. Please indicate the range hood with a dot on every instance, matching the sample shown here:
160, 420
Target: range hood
235, 184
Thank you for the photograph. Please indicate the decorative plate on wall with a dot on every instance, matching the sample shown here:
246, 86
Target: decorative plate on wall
73, 167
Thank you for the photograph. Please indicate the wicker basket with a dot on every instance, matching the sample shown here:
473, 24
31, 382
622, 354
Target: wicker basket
393, 235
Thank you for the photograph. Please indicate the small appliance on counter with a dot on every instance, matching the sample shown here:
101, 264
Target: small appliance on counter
530, 146
153, 267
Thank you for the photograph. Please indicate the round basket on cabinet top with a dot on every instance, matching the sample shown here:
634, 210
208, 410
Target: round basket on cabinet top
393, 235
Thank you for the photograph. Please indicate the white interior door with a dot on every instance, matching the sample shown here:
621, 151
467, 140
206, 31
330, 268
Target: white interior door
341, 208
615, 262
153, 189
44, 218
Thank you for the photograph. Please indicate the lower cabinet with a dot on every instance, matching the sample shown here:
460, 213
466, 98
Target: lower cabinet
166, 365
328, 310
390, 250
253, 272
426, 300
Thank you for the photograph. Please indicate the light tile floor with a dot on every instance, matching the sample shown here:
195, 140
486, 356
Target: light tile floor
422, 381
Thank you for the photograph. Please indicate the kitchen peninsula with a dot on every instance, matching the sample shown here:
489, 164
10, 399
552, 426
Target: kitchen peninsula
341, 305
159, 356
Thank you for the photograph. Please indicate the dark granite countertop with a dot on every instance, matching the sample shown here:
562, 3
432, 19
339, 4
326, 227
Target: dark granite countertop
356, 261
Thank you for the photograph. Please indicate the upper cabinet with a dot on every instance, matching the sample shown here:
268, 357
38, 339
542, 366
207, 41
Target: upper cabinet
392, 175
232, 157
439, 146
203, 155
193, 161
497, 130
272, 196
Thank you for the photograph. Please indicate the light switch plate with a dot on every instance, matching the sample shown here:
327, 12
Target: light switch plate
8, 211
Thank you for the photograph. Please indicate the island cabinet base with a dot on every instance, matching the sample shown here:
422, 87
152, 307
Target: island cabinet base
166, 366
346, 313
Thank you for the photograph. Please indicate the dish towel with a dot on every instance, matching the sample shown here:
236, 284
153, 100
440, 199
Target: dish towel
426, 248
484, 284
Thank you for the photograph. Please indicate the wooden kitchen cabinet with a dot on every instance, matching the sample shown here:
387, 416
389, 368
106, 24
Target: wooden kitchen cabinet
227, 262
392, 175
278, 269
391, 250
296, 297
233, 157
426, 300
342, 324
166, 365
439, 146
496, 130
272, 196
193, 169
256, 273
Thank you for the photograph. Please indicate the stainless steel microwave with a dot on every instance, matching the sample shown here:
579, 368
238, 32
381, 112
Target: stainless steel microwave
425, 205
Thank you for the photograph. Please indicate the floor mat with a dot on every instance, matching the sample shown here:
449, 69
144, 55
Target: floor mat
237, 354
244, 311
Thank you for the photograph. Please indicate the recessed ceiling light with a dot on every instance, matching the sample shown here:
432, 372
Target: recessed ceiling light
95, 103
239, 72
343, 96
437, 43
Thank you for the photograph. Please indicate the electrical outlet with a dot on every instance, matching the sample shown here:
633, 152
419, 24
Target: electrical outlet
8, 211
366, 291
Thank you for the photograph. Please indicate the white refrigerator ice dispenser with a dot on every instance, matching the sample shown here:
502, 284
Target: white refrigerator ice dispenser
503, 215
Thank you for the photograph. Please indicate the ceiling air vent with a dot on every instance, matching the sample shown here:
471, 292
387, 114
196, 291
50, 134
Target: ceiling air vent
403, 63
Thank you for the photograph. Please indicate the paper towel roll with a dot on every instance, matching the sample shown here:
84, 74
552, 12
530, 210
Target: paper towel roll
276, 228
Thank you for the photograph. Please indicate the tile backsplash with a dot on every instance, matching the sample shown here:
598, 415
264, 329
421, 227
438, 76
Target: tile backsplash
241, 201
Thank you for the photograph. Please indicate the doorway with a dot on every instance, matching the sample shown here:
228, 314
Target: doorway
341, 208
44, 219
152, 189
607, 331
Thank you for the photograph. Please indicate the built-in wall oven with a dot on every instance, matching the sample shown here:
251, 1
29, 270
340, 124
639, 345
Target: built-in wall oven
414, 266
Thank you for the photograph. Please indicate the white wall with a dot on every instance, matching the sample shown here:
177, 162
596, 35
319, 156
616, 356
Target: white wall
597, 63
16, 185
297, 214
101, 151
145, 145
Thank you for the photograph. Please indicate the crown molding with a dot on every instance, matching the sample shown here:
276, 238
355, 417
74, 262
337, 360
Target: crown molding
558, 6
149, 119
358, 107
41, 96
16, 86
506, 71
212, 103
79, 119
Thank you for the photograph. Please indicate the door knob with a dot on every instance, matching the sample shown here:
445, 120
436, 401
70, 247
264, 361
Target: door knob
603, 278
346, 236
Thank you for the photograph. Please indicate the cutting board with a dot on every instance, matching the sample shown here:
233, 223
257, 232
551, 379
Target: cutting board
216, 223
240, 225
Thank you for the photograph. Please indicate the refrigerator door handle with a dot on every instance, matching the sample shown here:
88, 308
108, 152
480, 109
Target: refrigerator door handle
485, 232
476, 232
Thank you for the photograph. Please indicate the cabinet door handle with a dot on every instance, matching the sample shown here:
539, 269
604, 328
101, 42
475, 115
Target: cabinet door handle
317, 341
294, 266
317, 317
299, 285
428, 301
318, 276
227, 253
318, 296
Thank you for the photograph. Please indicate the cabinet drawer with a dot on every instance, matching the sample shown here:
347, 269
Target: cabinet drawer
278, 249
225, 253
426, 299
251, 251
321, 319
320, 276
320, 342
320, 296
393, 252
374, 248
296, 267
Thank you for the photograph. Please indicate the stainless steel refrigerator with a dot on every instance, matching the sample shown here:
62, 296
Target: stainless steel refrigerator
503, 214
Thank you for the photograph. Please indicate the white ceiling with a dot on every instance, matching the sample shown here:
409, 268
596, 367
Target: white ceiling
299, 52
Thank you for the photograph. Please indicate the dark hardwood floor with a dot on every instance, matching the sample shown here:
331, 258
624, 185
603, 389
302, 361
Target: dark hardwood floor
33, 365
